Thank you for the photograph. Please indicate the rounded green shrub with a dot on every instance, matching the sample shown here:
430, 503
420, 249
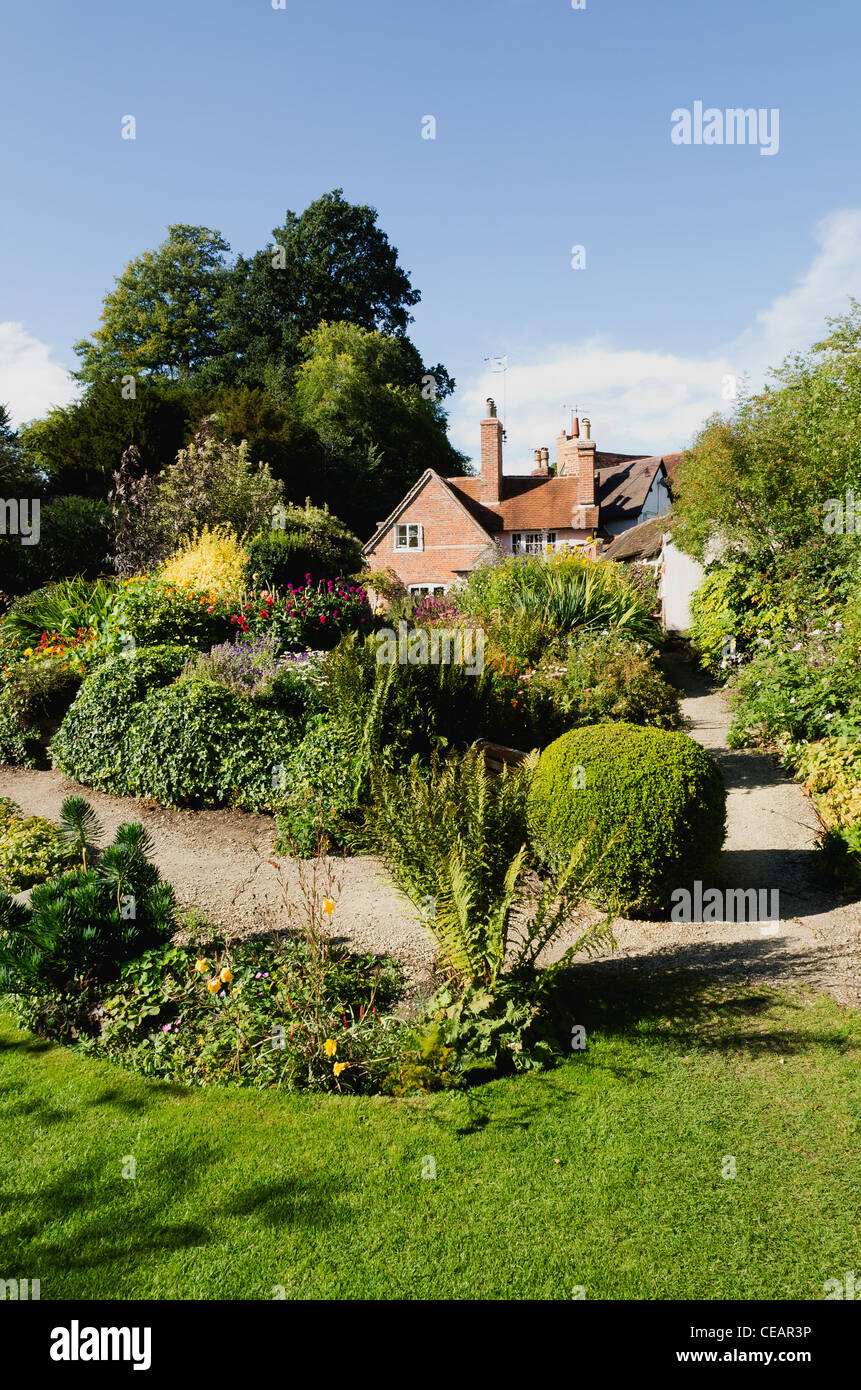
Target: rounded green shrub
90, 744
648, 805
200, 743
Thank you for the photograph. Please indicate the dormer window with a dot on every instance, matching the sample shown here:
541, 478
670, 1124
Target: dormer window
408, 536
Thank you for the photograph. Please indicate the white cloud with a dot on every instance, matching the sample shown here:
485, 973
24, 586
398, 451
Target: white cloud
30, 383
653, 402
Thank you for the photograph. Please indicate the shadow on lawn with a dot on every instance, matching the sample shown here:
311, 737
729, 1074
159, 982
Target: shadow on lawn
686, 1009
90, 1217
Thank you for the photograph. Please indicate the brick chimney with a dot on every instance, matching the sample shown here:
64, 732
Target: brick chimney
566, 451
586, 466
491, 457
575, 458
542, 464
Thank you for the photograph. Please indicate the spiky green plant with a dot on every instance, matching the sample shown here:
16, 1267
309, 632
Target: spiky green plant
566, 593
79, 825
454, 841
82, 926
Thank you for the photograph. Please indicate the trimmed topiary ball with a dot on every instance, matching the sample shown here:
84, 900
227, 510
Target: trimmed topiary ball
649, 806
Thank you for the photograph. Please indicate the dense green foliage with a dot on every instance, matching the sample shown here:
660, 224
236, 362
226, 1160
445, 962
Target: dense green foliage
307, 543
763, 478
648, 806
31, 848
198, 743
79, 928
91, 744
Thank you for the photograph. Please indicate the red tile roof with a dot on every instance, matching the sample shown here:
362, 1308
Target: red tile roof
532, 503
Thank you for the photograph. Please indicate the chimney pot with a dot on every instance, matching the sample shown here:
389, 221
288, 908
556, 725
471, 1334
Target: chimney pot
587, 428
491, 408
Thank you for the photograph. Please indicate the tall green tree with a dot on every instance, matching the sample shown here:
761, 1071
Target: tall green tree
79, 446
762, 479
163, 318
330, 262
378, 421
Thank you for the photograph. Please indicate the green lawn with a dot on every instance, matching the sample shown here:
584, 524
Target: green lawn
605, 1173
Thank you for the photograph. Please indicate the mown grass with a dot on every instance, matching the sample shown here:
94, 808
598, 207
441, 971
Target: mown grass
605, 1173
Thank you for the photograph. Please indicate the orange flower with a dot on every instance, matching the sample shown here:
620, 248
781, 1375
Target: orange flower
339, 1067
328, 906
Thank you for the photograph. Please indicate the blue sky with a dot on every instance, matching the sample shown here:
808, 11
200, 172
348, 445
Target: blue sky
553, 130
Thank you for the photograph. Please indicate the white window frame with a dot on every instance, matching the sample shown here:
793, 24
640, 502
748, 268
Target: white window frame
430, 588
532, 542
409, 526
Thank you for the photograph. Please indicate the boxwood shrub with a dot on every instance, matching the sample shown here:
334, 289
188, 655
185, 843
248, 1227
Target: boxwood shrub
91, 744
649, 806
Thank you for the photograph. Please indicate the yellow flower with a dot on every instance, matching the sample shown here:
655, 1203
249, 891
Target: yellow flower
331, 1047
28, 651
213, 985
339, 1067
329, 905
201, 966
226, 975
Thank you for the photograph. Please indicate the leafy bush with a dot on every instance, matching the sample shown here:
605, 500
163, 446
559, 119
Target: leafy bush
831, 771
19, 747
308, 541
38, 693
31, 849
79, 929
788, 695
151, 612
260, 1013
200, 743
213, 483
606, 677
90, 744
648, 805
211, 561
319, 788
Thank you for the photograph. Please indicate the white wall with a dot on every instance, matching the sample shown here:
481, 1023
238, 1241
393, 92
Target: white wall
681, 577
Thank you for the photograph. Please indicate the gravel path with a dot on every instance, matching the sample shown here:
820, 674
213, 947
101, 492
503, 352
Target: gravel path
218, 861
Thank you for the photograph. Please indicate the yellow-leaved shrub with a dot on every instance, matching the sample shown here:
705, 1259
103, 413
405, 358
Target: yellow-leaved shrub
212, 559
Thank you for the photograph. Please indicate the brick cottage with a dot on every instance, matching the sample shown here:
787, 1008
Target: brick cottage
445, 527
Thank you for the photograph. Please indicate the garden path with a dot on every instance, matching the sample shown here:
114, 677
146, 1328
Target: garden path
772, 829
219, 862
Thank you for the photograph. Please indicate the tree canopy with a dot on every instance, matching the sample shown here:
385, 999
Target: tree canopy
331, 262
163, 317
763, 478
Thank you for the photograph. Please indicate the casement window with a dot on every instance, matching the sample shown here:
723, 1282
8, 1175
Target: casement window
408, 535
426, 590
532, 542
